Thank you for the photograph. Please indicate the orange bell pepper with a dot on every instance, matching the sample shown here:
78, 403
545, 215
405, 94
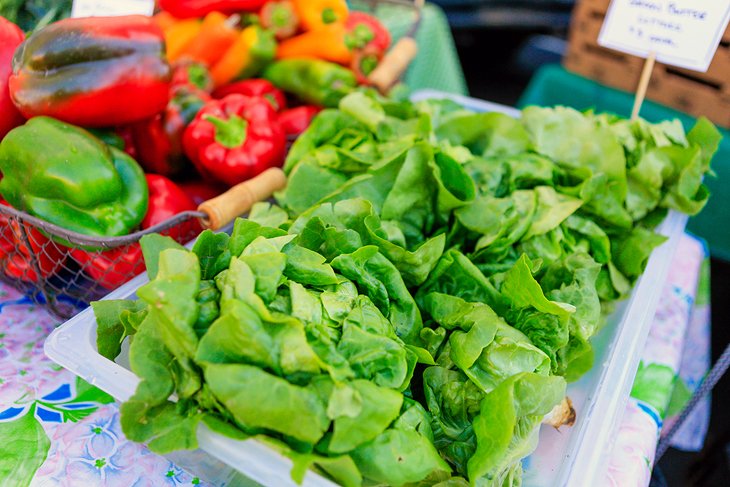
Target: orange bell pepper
216, 35
327, 42
253, 49
179, 36
315, 14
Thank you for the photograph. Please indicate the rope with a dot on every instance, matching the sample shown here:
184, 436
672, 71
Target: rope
708, 383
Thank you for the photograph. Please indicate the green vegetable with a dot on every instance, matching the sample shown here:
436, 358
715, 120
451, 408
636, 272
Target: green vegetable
312, 80
102, 193
415, 306
31, 15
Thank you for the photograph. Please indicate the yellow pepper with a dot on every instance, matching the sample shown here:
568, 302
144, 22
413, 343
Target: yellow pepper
247, 56
179, 36
315, 14
327, 42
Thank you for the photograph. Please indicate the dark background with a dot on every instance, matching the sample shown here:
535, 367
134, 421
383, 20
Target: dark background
500, 44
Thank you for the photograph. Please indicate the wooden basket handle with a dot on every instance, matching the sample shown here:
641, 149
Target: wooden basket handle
394, 64
222, 209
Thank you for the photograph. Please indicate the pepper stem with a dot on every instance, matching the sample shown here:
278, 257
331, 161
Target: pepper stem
329, 16
281, 15
368, 64
229, 133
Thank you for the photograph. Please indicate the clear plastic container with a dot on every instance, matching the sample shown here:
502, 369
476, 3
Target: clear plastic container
574, 457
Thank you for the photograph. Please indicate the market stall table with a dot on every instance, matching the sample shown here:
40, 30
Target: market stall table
59, 430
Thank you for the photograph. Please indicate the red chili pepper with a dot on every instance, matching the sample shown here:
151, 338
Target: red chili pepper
10, 37
92, 72
114, 267
16, 258
158, 140
254, 87
235, 138
294, 121
366, 31
183, 9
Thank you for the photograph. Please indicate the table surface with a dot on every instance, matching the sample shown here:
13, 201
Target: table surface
58, 430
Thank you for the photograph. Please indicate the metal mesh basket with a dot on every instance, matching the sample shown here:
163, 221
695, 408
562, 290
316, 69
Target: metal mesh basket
64, 271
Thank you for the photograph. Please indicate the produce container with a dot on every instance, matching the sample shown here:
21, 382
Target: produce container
574, 456
63, 270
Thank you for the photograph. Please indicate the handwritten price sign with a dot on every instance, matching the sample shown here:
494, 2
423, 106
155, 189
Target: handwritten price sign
682, 33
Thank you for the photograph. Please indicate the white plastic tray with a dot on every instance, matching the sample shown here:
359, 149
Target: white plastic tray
574, 457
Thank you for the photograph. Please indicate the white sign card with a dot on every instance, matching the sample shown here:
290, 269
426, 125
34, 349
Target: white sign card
683, 33
111, 8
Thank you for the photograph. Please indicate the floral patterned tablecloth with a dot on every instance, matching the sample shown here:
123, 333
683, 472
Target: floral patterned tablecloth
57, 430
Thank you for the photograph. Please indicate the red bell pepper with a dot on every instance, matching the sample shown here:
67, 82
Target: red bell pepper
16, 258
200, 191
364, 62
254, 87
92, 72
193, 73
158, 140
235, 138
10, 37
294, 121
168, 199
125, 133
366, 31
184, 9
114, 267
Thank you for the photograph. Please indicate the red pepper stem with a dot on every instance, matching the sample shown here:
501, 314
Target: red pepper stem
230, 133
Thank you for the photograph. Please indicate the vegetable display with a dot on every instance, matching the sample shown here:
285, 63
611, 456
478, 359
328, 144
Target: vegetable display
93, 72
416, 304
137, 83
422, 291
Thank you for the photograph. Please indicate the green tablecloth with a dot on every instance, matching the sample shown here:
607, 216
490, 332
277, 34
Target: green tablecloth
437, 64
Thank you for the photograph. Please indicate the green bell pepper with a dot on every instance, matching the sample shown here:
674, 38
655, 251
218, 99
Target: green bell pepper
312, 80
66, 176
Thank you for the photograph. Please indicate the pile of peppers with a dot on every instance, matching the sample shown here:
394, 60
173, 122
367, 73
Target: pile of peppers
142, 118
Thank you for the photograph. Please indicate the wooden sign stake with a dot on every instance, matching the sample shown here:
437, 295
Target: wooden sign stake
643, 84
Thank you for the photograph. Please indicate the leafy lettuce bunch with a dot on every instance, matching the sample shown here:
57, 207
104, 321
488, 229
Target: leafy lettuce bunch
309, 340
415, 305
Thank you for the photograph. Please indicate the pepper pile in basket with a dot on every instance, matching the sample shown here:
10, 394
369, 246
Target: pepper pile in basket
175, 96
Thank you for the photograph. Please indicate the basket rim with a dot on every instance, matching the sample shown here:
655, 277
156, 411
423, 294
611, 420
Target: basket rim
81, 239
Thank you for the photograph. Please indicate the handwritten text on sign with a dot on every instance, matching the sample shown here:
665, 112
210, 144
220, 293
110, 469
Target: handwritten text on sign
682, 33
